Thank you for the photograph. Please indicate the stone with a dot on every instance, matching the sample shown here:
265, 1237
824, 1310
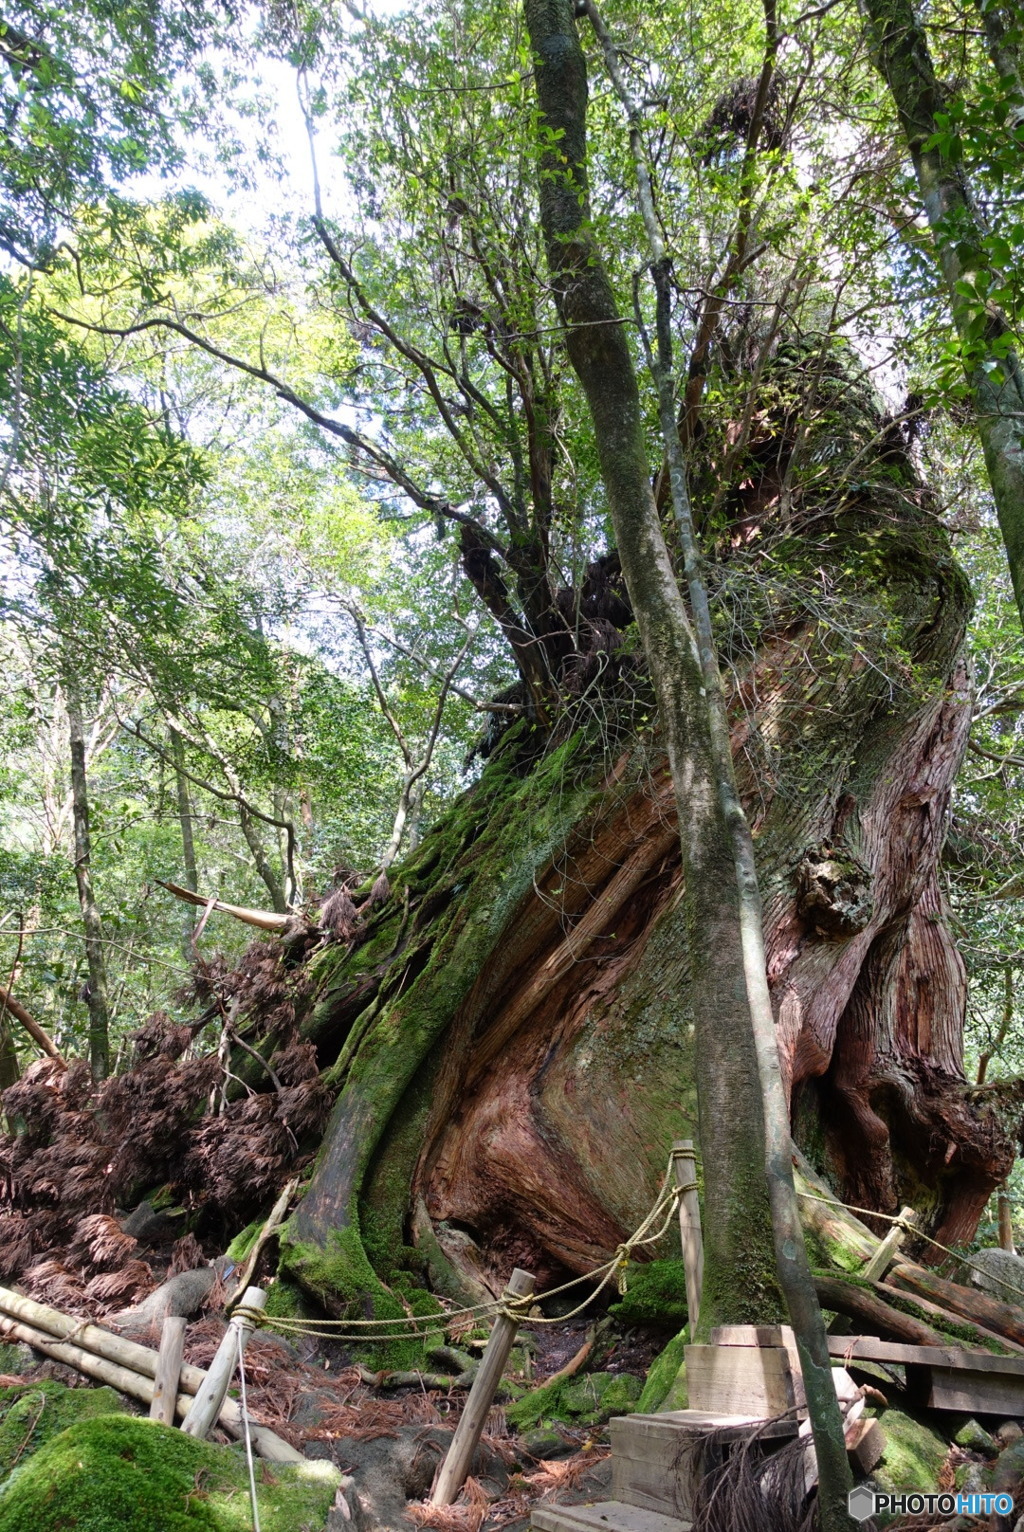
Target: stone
1009, 1469
1008, 1433
543, 1444
974, 1438
914, 1453
998, 1272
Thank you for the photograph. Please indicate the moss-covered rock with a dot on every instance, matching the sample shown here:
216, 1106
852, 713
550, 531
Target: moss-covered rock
33, 1413
119, 1471
588, 1401
655, 1295
914, 1453
663, 1376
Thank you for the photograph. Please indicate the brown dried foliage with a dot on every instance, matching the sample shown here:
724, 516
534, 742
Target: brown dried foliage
75, 1154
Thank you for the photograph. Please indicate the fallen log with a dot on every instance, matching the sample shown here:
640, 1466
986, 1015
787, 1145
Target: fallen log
977, 1334
843, 1239
263, 920
969, 1302
867, 1308
124, 1365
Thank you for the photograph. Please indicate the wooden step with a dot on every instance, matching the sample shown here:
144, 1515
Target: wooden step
604, 1516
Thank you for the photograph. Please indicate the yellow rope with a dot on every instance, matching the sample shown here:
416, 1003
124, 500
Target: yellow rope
515, 1307
897, 1218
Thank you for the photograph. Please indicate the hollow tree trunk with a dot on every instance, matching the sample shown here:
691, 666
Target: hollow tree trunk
512, 1034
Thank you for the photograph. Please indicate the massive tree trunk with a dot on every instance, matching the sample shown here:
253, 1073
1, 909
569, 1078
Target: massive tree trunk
511, 1034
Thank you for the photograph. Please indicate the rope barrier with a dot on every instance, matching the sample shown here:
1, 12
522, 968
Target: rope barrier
517, 1309
920, 1234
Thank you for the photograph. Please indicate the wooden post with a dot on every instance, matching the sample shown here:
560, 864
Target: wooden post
168, 1369
878, 1264
206, 1405
1005, 1221
684, 1163
467, 1433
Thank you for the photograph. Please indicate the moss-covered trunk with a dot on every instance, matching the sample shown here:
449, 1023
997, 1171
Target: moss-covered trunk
512, 1035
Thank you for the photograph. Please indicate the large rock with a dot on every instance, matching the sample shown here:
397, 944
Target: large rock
999, 1273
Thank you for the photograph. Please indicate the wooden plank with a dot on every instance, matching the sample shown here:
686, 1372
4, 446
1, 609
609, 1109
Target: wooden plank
676, 1423
977, 1393
604, 1516
865, 1444
666, 1486
739, 1380
749, 1335
850, 1347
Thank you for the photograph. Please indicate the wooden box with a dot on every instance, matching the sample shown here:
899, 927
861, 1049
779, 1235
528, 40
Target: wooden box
655, 1457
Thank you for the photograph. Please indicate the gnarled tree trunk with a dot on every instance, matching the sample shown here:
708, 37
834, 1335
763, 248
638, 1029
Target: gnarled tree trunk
512, 1032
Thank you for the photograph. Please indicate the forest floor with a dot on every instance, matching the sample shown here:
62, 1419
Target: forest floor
391, 1442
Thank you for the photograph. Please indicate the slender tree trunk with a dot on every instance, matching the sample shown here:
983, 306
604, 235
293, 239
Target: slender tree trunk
990, 363
99, 1026
188, 845
10, 1070
1005, 37
736, 1050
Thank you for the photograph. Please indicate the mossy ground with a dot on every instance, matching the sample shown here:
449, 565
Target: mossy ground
121, 1472
31, 1414
914, 1453
587, 1401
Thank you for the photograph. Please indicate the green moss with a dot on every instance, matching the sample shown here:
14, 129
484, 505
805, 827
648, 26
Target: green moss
242, 1243
662, 1374
588, 1401
914, 1454
119, 1471
285, 1300
655, 1295
341, 1277
33, 1413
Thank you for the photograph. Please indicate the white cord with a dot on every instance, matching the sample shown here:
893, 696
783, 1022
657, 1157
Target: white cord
248, 1441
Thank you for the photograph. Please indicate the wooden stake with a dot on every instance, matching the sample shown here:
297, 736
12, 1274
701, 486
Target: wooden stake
878, 1264
168, 1369
207, 1404
467, 1434
275, 1219
684, 1163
